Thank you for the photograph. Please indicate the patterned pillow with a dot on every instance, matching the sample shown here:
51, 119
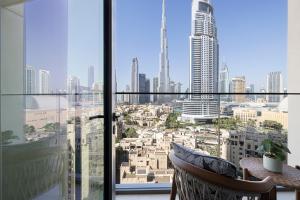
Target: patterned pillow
210, 163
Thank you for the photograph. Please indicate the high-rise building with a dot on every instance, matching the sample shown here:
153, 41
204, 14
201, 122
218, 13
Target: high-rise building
164, 77
126, 96
204, 64
238, 86
224, 82
274, 85
155, 88
30, 80
73, 88
147, 90
144, 87
178, 89
44, 78
91, 76
134, 81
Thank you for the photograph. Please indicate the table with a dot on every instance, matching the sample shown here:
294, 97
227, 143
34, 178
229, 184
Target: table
290, 176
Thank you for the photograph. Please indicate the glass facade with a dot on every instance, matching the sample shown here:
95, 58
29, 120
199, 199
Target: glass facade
51, 99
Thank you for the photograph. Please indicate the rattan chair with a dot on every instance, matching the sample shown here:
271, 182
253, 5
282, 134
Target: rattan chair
194, 183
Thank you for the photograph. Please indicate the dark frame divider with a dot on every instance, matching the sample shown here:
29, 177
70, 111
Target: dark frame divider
107, 91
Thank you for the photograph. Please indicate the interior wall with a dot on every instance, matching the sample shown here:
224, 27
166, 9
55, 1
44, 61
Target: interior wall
294, 80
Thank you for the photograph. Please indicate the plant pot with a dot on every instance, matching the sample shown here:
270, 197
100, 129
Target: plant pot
272, 164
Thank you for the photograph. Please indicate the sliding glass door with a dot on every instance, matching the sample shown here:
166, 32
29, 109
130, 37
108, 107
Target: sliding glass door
52, 118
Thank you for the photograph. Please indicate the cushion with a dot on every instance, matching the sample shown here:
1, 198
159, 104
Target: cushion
210, 163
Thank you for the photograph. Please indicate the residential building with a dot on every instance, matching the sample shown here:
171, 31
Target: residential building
274, 85
44, 81
155, 89
30, 80
204, 64
224, 82
91, 76
238, 86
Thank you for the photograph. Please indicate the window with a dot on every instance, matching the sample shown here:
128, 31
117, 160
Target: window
223, 108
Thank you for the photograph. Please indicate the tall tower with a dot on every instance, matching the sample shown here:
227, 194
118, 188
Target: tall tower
164, 77
44, 77
224, 82
274, 85
30, 80
91, 76
204, 64
134, 80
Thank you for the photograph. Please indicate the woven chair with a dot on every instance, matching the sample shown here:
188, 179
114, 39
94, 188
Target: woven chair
191, 182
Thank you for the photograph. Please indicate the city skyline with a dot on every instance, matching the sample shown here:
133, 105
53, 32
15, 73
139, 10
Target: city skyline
241, 56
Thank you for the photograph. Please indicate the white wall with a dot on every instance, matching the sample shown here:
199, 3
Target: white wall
11, 70
294, 80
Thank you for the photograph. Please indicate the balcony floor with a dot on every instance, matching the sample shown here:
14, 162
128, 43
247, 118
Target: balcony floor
280, 196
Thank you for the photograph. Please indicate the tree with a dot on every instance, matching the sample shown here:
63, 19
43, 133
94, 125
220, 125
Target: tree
172, 121
269, 124
131, 133
6, 136
51, 127
29, 128
227, 123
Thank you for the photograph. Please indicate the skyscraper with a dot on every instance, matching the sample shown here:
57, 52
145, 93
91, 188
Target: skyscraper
238, 86
126, 96
204, 63
155, 88
73, 88
144, 86
164, 77
224, 82
274, 85
134, 80
91, 76
44, 78
30, 80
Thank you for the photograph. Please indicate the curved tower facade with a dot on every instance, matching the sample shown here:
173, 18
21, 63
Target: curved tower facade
204, 64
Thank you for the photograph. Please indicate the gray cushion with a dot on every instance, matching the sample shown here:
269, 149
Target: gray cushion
210, 163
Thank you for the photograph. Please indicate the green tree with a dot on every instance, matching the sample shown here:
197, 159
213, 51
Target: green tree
269, 124
6, 137
172, 121
29, 128
51, 127
131, 133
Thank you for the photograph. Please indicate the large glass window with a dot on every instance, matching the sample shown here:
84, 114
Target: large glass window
212, 81
51, 138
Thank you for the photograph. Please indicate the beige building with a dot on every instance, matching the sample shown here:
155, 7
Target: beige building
238, 85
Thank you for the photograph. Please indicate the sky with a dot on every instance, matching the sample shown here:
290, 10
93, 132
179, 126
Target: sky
252, 37
65, 37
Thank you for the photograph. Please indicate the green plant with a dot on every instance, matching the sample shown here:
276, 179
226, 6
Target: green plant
275, 150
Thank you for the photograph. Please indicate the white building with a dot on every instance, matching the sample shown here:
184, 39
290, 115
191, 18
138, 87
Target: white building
224, 82
30, 80
44, 78
274, 85
203, 64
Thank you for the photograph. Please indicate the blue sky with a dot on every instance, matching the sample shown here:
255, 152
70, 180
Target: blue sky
65, 37
252, 37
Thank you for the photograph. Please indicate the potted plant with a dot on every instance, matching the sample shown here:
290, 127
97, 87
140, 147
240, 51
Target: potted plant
274, 154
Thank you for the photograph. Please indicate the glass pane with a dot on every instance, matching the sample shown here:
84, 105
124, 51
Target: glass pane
51, 138
189, 43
